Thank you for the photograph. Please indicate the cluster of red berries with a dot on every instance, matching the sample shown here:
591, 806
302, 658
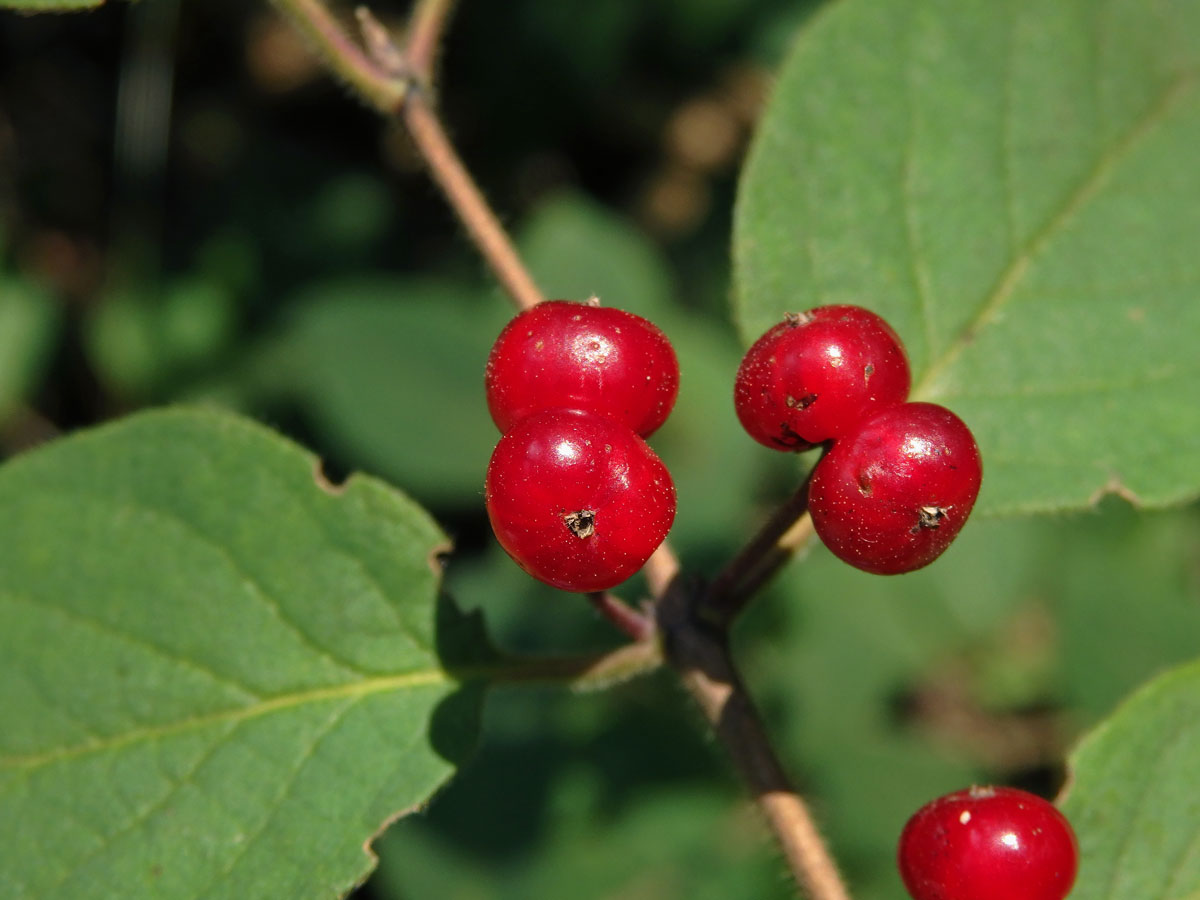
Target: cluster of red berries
988, 843
899, 479
580, 501
574, 494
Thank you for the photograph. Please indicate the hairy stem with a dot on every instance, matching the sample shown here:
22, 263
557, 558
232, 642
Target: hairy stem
735, 585
425, 28
395, 81
701, 655
624, 617
468, 202
661, 569
342, 55
394, 89
581, 673
778, 556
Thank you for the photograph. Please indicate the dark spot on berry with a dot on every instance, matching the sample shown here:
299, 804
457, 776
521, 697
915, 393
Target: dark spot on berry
582, 524
929, 517
789, 438
803, 403
864, 484
868, 371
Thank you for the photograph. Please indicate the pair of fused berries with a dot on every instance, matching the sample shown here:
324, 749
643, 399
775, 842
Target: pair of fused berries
988, 843
574, 494
899, 479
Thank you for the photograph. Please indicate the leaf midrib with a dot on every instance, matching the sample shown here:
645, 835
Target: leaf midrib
1006, 285
353, 690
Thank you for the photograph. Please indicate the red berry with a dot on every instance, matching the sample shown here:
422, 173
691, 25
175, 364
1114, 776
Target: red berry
891, 496
815, 375
566, 355
578, 500
991, 843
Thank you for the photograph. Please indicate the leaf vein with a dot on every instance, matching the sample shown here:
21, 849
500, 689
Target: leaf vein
1091, 184
1008, 183
143, 816
918, 271
355, 689
246, 844
113, 631
1148, 379
255, 586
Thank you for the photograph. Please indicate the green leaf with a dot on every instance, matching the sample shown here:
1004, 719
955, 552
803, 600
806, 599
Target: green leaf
1132, 797
1012, 185
28, 327
219, 674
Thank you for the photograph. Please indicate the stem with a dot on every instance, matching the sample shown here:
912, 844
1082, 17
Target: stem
778, 556
396, 84
342, 55
661, 569
426, 25
580, 673
379, 83
468, 202
735, 585
633, 623
701, 654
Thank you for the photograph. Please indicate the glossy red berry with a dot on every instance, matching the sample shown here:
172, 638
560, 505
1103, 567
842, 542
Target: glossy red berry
991, 843
891, 496
567, 355
817, 374
578, 500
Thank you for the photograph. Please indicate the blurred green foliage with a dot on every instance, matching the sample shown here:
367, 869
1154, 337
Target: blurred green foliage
290, 260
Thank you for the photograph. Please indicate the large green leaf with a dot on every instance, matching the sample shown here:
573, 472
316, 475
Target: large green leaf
1012, 184
1133, 799
218, 674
